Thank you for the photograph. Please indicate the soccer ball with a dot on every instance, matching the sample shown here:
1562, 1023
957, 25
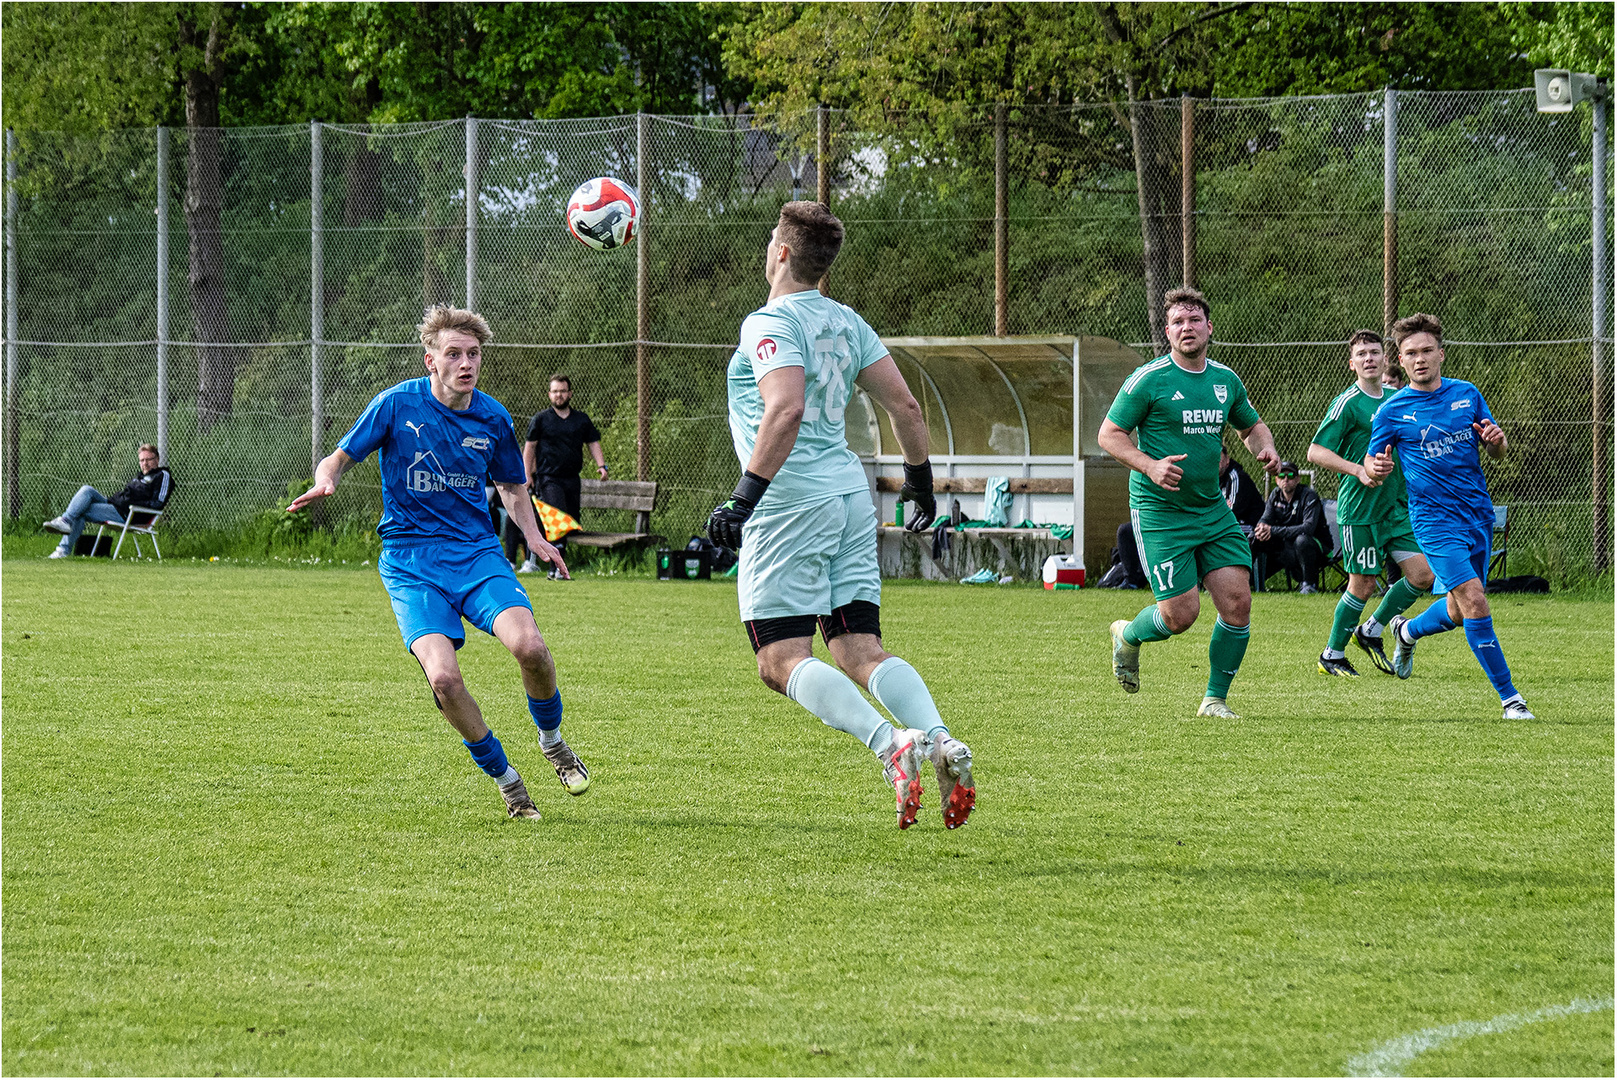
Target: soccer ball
603, 213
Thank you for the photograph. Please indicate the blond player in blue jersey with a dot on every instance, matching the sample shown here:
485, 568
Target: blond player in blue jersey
804, 523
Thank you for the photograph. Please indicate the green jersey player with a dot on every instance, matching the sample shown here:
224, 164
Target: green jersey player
1180, 404
1373, 514
804, 523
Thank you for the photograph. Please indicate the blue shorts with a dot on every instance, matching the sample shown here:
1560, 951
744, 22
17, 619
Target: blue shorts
432, 588
1457, 553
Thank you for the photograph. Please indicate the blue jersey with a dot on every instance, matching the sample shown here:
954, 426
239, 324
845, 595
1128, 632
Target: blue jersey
1438, 451
434, 461
832, 345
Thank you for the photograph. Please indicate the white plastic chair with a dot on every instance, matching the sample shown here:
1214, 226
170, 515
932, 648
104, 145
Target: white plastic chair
140, 521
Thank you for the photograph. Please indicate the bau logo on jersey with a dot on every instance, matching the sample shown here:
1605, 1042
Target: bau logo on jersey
434, 477
766, 349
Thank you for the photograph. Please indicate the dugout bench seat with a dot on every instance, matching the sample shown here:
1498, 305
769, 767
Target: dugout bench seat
637, 495
1019, 552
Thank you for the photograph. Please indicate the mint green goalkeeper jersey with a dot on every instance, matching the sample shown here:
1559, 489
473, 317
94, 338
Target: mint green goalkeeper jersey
1345, 431
832, 345
1181, 412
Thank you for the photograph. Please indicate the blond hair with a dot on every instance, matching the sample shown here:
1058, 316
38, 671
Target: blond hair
441, 317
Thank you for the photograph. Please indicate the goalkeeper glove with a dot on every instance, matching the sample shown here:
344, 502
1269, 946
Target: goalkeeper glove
918, 490
724, 524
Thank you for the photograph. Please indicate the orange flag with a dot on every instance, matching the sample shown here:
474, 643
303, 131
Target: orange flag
557, 523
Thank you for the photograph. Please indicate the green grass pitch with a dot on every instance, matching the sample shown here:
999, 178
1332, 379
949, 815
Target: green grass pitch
239, 839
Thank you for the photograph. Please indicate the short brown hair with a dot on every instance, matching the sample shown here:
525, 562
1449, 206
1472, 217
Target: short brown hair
558, 377
1418, 323
1395, 370
1364, 337
1185, 295
145, 446
441, 317
813, 235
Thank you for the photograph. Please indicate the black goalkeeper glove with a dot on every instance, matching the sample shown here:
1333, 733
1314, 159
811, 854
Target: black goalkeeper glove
918, 490
724, 524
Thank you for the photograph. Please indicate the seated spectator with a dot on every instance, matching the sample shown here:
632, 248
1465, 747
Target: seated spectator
1240, 491
151, 488
1293, 529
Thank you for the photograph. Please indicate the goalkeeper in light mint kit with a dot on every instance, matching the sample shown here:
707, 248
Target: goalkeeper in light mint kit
1441, 428
439, 438
1373, 514
804, 523
1187, 534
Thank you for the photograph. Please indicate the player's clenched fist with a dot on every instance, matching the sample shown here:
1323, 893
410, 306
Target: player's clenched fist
1489, 432
1380, 465
1165, 474
724, 524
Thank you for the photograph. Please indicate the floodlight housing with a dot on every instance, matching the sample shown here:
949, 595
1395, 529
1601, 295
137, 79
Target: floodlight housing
1558, 90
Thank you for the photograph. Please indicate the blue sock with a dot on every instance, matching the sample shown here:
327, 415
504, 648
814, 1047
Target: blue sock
1485, 644
1434, 620
547, 713
490, 757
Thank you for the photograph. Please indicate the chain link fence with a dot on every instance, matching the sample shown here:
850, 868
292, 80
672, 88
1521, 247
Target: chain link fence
295, 262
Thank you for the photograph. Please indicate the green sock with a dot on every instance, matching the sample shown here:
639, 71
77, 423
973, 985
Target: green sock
1224, 655
1397, 601
1147, 626
1348, 610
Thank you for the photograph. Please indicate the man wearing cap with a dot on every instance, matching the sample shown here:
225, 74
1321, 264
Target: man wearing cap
1293, 529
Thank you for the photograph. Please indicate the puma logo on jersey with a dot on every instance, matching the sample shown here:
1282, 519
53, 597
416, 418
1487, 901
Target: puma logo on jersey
1409, 416
415, 428
1177, 396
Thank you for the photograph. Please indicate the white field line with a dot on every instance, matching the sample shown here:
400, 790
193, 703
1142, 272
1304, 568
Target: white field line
1393, 1056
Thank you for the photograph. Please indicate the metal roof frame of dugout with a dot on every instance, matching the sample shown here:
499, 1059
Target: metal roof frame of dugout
1008, 406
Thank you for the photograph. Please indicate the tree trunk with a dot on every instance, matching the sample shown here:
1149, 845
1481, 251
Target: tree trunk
204, 195
1156, 170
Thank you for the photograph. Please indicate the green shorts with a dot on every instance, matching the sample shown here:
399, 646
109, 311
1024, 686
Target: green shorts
1178, 552
1364, 547
809, 560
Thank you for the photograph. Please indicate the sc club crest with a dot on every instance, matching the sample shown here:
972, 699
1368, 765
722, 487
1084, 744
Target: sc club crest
1221, 392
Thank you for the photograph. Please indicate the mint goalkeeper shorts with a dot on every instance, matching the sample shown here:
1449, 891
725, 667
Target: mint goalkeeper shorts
1177, 550
809, 559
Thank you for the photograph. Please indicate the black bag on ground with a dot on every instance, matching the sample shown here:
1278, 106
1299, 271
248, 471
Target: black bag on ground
1530, 583
88, 545
719, 558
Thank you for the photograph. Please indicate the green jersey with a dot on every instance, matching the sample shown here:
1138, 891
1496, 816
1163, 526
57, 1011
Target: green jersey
1182, 412
1345, 431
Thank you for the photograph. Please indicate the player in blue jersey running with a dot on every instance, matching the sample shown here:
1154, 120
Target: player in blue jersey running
438, 438
804, 523
1441, 428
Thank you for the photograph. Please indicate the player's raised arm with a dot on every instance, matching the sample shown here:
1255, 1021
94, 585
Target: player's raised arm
1163, 472
1261, 441
1329, 459
326, 476
1492, 436
885, 383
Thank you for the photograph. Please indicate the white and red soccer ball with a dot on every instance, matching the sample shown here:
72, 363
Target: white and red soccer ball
603, 213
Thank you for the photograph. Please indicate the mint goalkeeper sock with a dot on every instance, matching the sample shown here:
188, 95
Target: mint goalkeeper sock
900, 690
1348, 610
832, 696
1434, 620
1147, 626
1485, 644
1224, 655
1397, 601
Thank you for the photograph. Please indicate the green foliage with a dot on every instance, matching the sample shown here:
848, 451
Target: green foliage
232, 845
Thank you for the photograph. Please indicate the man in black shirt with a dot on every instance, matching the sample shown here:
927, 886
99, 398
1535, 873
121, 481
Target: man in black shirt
1293, 528
151, 488
554, 454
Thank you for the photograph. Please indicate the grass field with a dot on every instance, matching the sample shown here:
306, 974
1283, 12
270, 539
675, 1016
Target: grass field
239, 839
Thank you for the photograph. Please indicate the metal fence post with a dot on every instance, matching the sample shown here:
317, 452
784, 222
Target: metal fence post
1002, 239
13, 477
822, 156
317, 297
1187, 187
162, 294
1601, 372
472, 184
642, 317
1389, 215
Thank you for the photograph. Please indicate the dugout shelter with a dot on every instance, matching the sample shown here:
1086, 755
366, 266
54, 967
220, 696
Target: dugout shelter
1025, 408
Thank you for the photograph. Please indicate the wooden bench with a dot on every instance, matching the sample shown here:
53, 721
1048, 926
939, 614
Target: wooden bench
976, 485
637, 495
